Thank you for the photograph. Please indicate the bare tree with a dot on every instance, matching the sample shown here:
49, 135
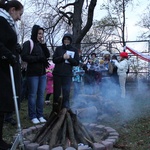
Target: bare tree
145, 24
69, 14
117, 11
98, 37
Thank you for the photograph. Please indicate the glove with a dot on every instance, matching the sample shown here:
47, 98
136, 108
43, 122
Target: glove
12, 60
8, 56
114, 61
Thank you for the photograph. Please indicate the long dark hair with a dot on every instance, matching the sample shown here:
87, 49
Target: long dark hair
7, 4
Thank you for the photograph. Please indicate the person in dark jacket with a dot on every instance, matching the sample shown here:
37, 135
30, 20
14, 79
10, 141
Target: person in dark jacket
37, 61
114, 75
64, 58
10, 12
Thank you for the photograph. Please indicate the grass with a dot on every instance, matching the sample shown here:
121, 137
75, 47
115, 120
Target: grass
134, 128
10, 131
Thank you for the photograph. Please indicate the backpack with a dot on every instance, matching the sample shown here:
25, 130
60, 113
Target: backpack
23, 63
31, 45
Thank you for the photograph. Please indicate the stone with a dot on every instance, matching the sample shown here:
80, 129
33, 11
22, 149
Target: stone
98, 146
57, 148
32, 146
107, 144
43, 147
70, 148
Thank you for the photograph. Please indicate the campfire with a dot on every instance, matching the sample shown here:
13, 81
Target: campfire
64, 129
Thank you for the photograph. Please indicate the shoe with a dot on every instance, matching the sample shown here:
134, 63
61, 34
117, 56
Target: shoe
11, 121
4, 145
42, 120
47, 102
35, 121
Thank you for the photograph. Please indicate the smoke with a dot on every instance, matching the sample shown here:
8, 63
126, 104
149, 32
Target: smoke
105, 97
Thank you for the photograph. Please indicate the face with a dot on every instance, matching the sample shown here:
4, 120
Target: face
16, 14
121, 58
40, 35
66, 41
93, 56
107, 57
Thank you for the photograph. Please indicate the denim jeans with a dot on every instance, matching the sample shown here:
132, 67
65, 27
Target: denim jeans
36, 91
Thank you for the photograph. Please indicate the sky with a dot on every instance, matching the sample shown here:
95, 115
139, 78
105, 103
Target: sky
133, 15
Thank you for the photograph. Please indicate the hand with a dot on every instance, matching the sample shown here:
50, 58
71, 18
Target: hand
114, 61
66, 56
12, 60
42, 41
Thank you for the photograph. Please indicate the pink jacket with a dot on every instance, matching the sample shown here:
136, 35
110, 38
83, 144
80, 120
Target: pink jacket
49, 75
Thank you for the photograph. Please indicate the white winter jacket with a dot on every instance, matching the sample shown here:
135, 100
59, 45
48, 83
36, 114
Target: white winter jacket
122, 67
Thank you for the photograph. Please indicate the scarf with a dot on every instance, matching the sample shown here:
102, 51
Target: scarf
6, 15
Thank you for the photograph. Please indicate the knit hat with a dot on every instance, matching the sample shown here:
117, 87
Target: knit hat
104, 53
124, 54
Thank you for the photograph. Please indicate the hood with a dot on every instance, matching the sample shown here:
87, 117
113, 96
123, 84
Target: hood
68, 35
34, 32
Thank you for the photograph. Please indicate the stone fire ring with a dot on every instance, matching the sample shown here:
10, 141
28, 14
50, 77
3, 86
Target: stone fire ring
108, 143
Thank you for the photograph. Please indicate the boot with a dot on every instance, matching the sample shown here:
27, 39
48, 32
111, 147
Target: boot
4, 145
47, 102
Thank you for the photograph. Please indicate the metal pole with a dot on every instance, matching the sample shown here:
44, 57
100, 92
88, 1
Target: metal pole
19, 138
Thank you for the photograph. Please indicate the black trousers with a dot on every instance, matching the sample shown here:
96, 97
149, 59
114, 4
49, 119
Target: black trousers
62, 85
47, 97
1, 125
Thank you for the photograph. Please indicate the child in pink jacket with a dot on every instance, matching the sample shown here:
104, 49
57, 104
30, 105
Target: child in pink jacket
49, 85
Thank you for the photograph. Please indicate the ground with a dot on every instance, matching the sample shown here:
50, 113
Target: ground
132, 123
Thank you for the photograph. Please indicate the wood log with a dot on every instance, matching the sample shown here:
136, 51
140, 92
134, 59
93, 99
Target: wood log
63, 129
64, 135
57, 105
78, 134
41, 135
55, 130
82, 127
71, 135
87, 134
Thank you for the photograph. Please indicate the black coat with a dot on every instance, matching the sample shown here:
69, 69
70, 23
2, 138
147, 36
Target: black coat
37, 60
61, 67
8, 45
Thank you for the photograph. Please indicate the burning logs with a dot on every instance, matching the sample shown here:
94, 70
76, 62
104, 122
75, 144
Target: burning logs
63, 129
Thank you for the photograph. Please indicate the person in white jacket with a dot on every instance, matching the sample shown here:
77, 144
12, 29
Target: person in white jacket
122, 71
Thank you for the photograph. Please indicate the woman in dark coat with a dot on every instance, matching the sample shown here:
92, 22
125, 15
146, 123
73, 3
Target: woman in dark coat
10, 12
36, 73
64, 58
